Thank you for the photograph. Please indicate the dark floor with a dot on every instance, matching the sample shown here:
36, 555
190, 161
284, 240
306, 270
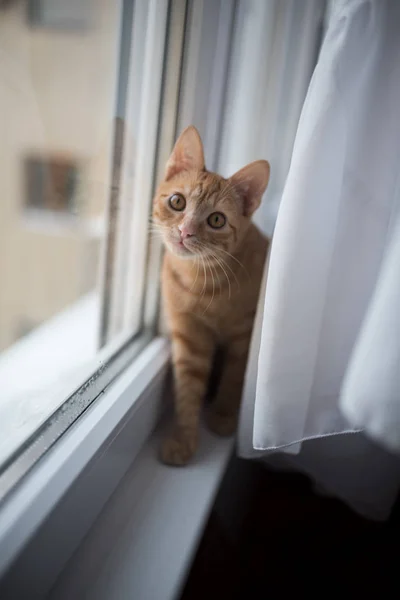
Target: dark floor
294, 540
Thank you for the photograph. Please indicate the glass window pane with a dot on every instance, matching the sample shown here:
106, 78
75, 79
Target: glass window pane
59, 69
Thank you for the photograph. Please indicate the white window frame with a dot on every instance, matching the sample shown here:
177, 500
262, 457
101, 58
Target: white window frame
141, 133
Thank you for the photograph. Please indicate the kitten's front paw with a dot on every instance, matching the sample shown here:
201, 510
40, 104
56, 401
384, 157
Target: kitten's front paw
223, 425
178, 448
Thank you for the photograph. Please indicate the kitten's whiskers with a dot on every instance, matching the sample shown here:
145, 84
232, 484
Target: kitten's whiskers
205, 277
197, 273
220, 264
235, 259
213, 282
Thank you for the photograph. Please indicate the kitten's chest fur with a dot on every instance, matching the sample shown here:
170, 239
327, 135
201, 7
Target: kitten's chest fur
222, 297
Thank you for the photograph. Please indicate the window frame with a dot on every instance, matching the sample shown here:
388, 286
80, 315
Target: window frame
128, 251
75, 478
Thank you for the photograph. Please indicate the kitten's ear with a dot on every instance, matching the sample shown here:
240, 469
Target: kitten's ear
251, 182
187, 153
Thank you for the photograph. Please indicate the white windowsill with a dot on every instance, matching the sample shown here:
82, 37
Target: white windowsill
143, 542
111, 432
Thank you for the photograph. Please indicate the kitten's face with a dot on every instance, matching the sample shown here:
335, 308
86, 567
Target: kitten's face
200, 213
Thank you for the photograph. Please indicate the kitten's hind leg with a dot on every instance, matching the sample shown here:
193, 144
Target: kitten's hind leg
192, 353
223, 414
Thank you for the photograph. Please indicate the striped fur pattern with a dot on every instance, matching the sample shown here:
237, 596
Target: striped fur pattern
210, 284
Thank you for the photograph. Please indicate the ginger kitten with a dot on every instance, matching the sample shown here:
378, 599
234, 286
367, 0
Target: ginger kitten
211, 278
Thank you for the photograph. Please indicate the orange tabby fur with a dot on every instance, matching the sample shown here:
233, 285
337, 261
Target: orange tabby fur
210, 285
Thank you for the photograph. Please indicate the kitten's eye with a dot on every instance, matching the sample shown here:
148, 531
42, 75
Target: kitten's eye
177, 202
216, 220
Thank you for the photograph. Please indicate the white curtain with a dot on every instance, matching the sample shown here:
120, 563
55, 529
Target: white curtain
323, 379
273, 55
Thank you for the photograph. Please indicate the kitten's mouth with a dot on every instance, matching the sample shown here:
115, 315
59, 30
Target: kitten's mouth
180, 247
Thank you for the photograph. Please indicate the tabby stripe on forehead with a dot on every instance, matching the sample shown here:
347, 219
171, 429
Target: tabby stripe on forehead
205, 189
217, 187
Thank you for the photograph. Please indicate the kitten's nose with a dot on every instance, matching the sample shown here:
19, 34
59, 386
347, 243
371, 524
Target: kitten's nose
185, 231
